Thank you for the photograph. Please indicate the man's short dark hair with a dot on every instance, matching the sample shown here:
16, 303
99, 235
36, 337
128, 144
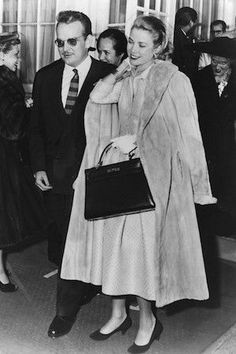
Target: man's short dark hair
217, 23
73, 16
184, 15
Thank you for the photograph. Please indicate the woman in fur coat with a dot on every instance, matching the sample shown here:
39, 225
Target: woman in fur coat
155, 255
21, 210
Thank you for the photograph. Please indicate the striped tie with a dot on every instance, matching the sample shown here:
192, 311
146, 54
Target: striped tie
72, 94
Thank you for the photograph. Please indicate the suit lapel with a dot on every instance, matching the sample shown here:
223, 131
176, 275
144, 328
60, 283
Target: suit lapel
89, 80
55, 86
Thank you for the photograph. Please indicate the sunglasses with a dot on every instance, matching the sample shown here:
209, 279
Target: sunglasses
217, 31
72, 42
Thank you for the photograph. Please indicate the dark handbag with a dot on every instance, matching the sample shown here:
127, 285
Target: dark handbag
116, 189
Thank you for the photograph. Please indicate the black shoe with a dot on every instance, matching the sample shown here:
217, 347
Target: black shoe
125, 325
155, 335
8, 288
60, 326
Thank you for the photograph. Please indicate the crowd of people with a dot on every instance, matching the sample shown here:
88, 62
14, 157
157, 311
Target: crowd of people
178, 118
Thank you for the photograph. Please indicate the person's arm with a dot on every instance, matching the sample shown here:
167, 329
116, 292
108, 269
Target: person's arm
36, 141
191, 140
178, 59
108, 89
12, 117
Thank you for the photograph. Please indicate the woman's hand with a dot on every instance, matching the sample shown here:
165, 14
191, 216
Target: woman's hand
119, 73
123, 70
125, 143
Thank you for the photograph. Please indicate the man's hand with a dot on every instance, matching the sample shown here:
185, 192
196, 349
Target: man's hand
41, 181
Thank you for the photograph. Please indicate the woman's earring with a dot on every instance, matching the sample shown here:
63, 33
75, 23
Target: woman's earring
155, 55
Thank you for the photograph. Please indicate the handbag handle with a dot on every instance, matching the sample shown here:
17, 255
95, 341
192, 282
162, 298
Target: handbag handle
107, 148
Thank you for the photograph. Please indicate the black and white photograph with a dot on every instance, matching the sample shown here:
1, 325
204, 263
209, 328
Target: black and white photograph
117, 176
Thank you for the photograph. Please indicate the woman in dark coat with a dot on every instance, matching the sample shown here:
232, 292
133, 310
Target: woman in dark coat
21, 210
215, 91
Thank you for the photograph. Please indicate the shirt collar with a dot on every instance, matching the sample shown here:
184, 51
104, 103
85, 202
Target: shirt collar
81, 68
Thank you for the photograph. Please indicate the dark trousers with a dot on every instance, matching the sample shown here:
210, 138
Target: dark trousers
72, 294
206, 216
59, 209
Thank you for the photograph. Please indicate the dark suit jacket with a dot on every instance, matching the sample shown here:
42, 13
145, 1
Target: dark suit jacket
217, 118
57, 141
183, 55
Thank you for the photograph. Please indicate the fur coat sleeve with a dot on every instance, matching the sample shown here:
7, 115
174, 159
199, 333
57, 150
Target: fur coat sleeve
181, 97
13, 112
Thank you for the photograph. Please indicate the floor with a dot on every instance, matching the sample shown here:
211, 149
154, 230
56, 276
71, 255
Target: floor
26, 315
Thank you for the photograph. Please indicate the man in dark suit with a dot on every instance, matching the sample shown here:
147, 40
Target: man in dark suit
183, 55
57, 143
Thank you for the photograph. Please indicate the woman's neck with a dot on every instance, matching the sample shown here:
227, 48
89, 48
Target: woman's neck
136, 70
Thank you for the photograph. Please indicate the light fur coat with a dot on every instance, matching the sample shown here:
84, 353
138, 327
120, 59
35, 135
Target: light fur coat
173, 158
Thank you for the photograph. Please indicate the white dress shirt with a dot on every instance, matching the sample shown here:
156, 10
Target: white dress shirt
68, 73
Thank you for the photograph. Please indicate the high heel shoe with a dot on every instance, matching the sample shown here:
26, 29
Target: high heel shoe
8, 288
134, 349
125, 325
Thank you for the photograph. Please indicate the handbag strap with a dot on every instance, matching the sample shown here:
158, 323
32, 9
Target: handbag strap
107, 148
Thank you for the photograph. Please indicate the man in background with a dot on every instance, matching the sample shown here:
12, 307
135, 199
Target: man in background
218, 29
183, 55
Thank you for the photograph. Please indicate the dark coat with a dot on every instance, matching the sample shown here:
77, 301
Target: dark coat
13, 113
57, 142
183, 55
217, 117
22, 216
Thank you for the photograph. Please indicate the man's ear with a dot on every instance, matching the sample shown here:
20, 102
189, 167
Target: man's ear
89, 42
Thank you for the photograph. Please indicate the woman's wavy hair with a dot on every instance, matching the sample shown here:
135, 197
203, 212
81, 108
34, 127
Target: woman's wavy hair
153, 25
8, 41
